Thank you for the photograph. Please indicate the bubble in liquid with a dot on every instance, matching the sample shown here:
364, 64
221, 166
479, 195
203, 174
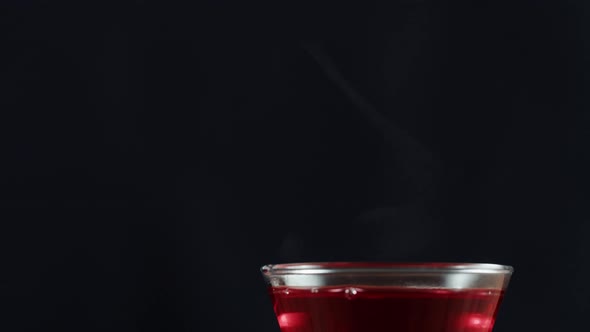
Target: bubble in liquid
314, 290
292, 319
476, 322
286, 291
350, 292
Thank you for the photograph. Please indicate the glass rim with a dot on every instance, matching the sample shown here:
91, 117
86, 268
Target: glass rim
322, 268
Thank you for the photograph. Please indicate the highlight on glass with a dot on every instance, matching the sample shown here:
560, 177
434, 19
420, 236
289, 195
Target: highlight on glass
401, 297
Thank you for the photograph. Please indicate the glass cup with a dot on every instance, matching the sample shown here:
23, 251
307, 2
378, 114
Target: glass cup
400, 297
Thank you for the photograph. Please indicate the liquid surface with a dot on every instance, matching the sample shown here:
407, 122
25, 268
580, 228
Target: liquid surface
380, 309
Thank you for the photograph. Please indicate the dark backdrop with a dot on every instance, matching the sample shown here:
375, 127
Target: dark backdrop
155, 155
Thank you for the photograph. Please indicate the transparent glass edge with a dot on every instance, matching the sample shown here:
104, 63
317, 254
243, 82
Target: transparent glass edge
395, 268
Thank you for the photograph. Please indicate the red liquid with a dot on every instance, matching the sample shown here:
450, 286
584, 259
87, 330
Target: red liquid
380, 309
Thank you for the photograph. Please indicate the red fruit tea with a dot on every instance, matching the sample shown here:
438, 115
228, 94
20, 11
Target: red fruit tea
384, 309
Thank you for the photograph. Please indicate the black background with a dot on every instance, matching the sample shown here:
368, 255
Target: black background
155, 155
